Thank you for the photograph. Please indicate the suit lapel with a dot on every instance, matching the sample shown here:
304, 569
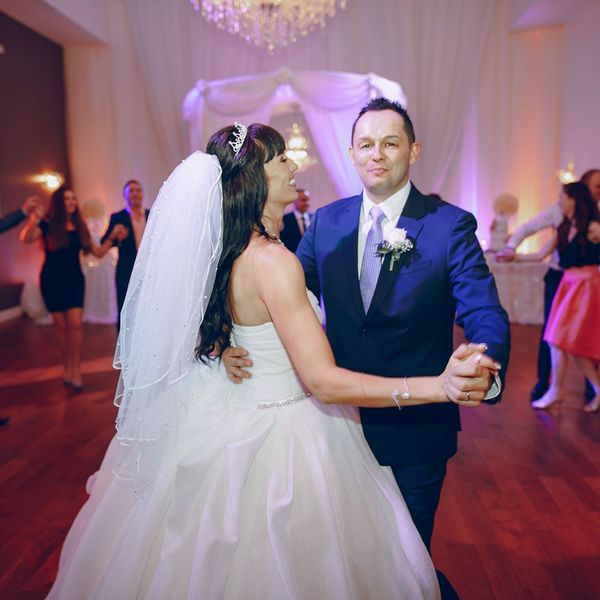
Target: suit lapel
294, 223
349, 222
410, 219
127, 219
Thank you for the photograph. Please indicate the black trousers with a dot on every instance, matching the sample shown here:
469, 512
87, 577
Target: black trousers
421, 486
544, 362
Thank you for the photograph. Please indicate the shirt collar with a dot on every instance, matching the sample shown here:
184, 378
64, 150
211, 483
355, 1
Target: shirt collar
392, 207
132, 216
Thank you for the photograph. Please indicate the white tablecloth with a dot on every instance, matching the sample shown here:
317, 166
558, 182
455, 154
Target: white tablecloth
100, 304
521, 289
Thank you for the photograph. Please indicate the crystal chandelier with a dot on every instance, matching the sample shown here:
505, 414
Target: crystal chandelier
297, 149
268, 23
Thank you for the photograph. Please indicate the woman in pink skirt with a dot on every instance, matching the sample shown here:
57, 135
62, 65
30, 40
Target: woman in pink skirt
574, 323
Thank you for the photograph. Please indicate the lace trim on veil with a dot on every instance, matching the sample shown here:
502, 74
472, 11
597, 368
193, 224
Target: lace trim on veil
167, 297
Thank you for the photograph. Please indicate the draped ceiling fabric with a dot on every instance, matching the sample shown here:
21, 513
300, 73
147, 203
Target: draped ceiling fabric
485, 100
330, 101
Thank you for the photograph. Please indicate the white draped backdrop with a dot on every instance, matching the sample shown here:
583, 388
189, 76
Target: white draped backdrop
329, 100
481, 97
496, 109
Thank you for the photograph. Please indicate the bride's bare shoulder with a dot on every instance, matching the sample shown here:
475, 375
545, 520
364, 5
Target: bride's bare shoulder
274, 261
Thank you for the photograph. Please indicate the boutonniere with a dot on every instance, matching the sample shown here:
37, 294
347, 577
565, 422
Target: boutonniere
395, 243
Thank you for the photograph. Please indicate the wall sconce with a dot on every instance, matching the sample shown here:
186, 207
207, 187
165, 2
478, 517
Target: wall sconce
52, 180
567, 175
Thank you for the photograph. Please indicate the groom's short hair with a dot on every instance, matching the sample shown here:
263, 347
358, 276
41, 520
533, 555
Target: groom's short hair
378, 104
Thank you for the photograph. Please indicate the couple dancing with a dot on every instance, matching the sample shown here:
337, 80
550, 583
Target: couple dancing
261, 490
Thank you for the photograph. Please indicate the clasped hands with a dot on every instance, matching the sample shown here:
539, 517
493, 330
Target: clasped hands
119, 233
33, 207
468, 375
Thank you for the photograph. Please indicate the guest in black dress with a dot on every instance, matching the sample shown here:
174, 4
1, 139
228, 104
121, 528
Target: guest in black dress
65, 234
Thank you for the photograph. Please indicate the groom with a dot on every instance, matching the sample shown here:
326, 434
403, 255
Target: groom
397, 319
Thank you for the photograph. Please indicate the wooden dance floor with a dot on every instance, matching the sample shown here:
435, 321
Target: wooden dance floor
520, 513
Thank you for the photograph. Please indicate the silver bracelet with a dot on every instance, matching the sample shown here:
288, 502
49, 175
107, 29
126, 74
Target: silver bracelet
405, 395
406, 392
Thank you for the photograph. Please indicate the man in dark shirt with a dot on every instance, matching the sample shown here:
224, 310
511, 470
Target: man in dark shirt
296, 222
133, 219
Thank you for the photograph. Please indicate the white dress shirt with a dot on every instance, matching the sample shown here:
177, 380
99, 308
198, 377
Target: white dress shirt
303, 220
392, 208
139, 226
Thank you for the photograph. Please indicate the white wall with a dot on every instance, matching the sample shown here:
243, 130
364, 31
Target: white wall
580, 123
62, 21
535, 106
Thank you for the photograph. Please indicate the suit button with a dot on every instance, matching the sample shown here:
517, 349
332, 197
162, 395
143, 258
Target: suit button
363, 333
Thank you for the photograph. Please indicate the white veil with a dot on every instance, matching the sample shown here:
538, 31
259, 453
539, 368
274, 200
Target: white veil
166, 300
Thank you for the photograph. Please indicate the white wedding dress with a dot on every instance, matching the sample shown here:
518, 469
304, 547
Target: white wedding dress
265, 495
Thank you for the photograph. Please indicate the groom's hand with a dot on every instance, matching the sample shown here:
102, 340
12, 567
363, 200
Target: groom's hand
235, 359
468, 375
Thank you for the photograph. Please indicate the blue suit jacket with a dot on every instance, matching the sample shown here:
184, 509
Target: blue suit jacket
408, 328
11, 220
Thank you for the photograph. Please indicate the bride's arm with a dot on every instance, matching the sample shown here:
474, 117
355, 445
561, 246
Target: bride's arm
280, 284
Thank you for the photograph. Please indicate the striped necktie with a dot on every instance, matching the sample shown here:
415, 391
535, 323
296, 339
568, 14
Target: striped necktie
371, 262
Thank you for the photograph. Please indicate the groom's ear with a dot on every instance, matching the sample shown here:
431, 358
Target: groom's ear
351, 153
415, 150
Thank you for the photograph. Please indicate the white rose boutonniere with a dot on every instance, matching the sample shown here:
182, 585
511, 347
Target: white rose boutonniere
395, 243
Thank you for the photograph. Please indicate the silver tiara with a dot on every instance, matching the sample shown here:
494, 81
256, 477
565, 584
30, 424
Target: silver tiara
239, 133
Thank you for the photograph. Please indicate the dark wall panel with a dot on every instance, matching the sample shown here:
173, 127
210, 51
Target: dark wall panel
32, 133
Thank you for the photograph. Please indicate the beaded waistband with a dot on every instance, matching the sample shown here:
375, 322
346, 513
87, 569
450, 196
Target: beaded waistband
284, 402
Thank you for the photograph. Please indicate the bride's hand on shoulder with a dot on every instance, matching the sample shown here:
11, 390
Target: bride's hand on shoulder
468, 374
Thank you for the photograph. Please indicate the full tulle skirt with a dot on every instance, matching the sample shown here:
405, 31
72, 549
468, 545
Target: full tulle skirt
284, 502
262, 494
574, 320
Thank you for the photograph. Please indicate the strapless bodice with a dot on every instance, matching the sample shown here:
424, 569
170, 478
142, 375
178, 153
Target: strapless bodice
273, 376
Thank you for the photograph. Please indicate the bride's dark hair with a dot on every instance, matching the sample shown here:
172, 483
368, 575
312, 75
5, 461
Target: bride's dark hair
245, 191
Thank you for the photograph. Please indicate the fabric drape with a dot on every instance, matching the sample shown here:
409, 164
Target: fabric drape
330, 102
468, 79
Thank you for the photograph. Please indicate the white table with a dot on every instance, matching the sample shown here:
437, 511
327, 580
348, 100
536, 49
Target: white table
521, 289
100, 305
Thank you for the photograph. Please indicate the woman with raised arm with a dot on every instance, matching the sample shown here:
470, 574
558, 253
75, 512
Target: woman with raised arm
573, 326
65, 235
217, 491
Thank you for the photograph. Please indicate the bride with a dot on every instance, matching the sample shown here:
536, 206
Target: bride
215, 491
